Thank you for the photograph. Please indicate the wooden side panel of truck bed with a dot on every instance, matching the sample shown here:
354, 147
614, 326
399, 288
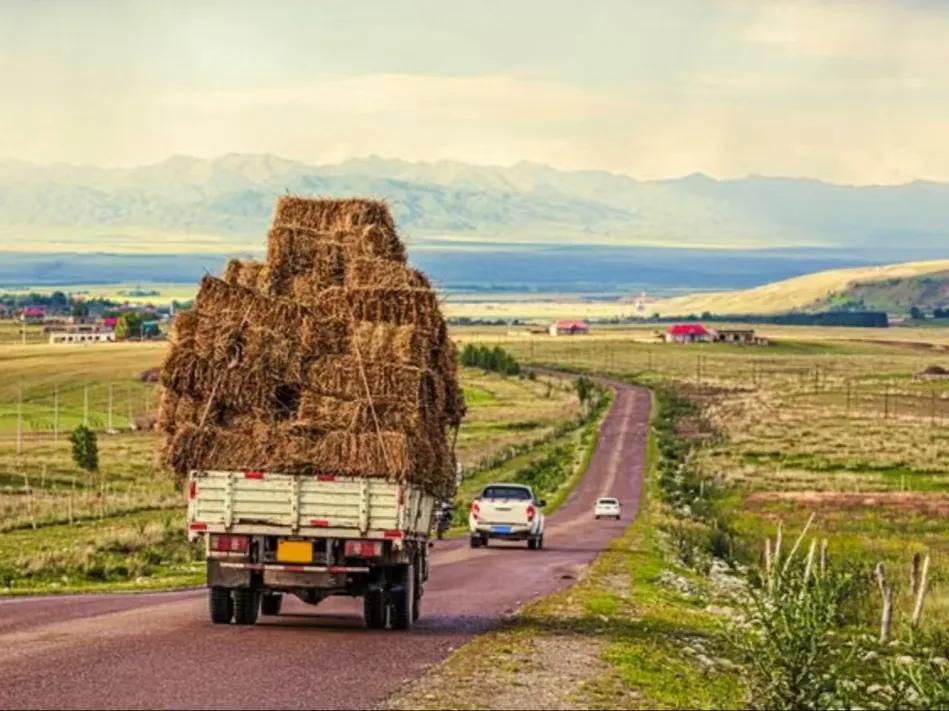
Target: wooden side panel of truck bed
281, 504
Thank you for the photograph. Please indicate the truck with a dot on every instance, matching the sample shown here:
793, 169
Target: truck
507, 512
270, 534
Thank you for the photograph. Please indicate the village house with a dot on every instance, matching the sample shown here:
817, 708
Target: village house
688, 333
569, 328
33, 314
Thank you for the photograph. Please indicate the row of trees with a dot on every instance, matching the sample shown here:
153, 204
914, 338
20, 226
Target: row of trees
494, 359
918, 314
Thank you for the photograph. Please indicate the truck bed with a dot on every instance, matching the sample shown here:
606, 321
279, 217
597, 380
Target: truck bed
323, 506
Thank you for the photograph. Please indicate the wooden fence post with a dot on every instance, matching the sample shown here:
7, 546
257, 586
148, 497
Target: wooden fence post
921, 592
886, 591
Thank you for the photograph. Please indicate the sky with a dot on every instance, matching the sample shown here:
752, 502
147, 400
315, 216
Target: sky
849, 92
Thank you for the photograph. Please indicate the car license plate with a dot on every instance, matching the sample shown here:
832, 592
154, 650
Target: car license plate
500, 529
294, 551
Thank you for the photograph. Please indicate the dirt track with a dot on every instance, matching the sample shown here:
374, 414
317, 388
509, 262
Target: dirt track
160, 650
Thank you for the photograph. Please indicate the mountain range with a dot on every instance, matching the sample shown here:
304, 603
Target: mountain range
187, 204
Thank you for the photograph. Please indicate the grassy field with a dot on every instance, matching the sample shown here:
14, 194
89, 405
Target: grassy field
825, 422
839, 427
45, 502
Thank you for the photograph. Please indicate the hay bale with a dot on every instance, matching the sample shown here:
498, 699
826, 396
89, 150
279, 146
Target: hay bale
248, 274
327, 215
383, 274
331, 357
389, 343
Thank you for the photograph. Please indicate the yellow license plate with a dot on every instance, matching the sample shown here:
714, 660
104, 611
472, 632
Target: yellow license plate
294, 551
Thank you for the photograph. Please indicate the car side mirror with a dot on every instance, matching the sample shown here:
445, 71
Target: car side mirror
542, 503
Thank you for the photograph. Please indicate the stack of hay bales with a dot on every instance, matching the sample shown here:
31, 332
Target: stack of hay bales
332, 357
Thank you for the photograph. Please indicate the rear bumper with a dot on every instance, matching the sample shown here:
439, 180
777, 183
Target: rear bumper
516, 533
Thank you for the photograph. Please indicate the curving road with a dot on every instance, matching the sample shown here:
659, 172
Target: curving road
160, 651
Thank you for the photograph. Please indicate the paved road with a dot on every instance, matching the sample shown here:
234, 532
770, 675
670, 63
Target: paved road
160, 650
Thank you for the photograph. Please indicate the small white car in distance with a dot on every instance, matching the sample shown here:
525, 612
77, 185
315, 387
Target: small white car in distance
607, 507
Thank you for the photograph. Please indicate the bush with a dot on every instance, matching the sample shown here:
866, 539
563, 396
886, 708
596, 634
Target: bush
494, 359
85, 448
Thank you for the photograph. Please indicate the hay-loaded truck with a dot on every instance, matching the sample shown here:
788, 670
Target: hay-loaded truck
268, 535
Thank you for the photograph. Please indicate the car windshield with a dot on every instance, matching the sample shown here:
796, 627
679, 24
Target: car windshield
506, 492
609, 502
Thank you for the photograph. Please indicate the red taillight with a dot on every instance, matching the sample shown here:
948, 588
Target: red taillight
192, 489
475, 509
253, 475
325, 477
393, 534
363, 549
198, 526
230, 544
531, 512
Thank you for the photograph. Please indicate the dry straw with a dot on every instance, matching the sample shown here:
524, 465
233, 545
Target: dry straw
331, 357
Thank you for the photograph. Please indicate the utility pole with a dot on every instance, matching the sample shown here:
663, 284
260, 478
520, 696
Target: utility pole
19, 421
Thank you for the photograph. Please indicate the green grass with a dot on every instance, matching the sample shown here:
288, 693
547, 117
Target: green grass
140, 551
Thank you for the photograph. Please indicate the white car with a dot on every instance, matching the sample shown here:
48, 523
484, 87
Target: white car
607, 508
508, 512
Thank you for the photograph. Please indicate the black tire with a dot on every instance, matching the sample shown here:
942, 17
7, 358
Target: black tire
402, 611
221, 605
374, 609
476, 542
597, 518
532, 543
246, 606
271, 603
540, 542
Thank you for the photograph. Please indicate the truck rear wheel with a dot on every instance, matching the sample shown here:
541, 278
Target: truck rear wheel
403, 599
246, 606
374, 609
221, 605
271, 603
476, 541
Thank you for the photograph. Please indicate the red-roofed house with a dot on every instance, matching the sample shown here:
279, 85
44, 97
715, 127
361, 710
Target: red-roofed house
569, 328
688, 333
33, 314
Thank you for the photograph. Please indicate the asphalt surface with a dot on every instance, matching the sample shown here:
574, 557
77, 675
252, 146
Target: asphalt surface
159, 650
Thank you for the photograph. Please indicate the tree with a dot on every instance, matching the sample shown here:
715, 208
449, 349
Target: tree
85, 448
129, 325
80, 309
916, 313
58, 301
584, 389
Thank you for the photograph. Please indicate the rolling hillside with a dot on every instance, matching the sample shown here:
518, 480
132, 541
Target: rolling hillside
820, 291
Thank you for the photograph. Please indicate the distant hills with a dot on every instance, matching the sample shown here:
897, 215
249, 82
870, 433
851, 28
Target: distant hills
187, 204
893, 288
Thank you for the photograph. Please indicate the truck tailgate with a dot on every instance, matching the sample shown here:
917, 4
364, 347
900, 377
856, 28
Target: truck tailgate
347, 506
504, 511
